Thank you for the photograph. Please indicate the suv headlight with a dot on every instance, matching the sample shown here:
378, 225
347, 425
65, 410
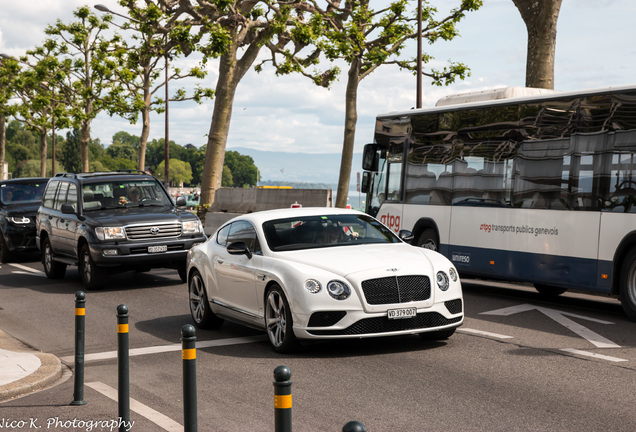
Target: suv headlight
19, 220
192, 227
110, 233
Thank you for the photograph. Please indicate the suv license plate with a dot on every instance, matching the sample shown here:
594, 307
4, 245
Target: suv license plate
154, 249
402, 313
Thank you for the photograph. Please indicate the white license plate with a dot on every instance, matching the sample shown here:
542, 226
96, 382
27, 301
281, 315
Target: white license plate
402, 313
154, 249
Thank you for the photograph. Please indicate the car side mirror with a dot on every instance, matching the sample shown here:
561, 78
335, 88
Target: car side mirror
67, 208
181, 201
239, 248
406, 236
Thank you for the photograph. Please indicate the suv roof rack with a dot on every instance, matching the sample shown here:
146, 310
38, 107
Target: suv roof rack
101, 173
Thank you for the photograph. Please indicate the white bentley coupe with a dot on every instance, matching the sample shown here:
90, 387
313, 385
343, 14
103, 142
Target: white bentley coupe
321, 273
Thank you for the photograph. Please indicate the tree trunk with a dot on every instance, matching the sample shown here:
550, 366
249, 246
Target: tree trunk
44, 151
540, 17
219, 128
3, 146
351, 118
85, 138
231, 71
143, 140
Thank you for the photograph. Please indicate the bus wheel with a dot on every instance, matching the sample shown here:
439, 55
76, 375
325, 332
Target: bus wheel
548, 290
427, 240
628, 284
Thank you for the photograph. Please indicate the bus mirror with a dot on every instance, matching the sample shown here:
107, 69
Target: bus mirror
370, 159
366, 181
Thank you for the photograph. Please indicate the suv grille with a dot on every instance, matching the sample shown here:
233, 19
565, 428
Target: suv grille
152, 232
396, 289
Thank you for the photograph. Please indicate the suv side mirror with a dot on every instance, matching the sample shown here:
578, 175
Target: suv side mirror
67, 208
239, 248
181, 201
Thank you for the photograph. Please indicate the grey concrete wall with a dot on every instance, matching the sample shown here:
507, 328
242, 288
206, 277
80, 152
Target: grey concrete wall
231, 202
243, 200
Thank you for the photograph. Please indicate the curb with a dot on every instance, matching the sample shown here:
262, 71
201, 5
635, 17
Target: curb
49, 372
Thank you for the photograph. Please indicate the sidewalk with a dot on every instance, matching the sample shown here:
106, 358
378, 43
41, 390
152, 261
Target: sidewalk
24, 370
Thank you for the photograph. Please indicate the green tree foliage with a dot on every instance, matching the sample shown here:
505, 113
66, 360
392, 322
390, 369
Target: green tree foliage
122, 150
244, 172
126, 138
235, 32
31, 167
227, 180
180, 172
365, 39
21, 145
88, 87
157, 36
71, 152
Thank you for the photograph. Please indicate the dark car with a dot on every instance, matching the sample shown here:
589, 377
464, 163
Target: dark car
19, 201
113, 221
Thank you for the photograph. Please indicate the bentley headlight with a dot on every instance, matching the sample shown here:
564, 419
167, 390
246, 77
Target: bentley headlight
313, 286
192, 227
110, 233
453, 274
442, 281
338, 290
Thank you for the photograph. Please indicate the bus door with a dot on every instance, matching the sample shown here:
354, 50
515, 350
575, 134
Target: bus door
386, 198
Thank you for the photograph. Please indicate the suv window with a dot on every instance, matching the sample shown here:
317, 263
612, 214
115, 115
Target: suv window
49, 194
116, 193
61, 196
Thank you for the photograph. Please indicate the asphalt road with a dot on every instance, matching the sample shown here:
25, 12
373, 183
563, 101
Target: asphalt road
520, 362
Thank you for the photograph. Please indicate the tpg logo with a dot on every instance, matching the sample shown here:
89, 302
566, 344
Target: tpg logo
393, 222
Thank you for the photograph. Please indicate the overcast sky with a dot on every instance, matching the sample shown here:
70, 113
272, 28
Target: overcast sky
595, 48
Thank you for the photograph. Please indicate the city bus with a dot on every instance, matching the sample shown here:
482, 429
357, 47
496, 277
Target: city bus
516, 184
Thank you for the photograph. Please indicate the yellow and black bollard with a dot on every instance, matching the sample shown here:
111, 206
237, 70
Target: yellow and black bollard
80, 326
353, 426
123, 371
189, 355
282, 399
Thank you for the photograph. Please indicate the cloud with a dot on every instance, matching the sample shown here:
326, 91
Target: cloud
594, 49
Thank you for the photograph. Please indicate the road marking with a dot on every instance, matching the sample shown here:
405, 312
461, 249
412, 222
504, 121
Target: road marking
484, 333
166, 348
589, 354
559, 316
156, 417
29, 270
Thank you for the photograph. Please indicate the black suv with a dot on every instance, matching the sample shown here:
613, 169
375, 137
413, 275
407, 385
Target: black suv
19, 200
113, 221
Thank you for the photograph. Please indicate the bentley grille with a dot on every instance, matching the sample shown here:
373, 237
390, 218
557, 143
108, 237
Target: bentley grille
396, 289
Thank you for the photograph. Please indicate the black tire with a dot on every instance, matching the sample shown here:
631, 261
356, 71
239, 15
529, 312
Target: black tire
4, 250
202, 315
549, 290
278, 321
52, 268
428, 240
627, 285
438, 335
93, 276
